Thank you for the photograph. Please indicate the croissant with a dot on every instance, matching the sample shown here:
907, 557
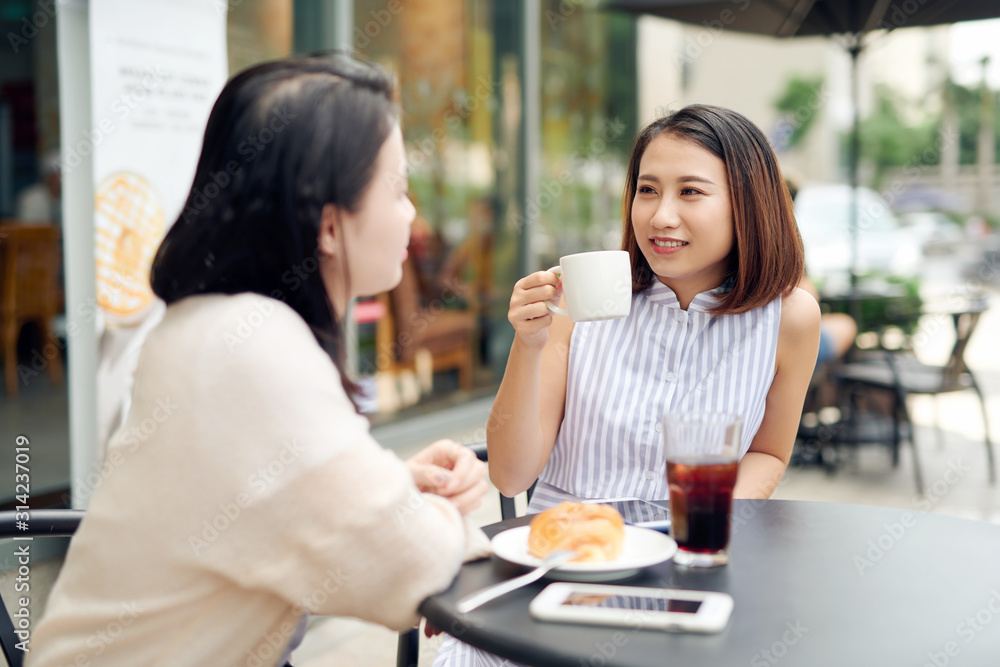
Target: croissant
594, 531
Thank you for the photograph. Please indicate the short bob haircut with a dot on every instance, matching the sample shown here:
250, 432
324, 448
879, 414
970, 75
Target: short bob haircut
284, 139
767, 259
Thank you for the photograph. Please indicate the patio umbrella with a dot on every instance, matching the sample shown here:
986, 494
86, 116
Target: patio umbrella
798, 18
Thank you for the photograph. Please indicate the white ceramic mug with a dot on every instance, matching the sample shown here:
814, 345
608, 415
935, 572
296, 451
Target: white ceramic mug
597, 285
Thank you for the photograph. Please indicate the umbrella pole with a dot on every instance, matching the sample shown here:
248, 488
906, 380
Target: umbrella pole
854, 160
854, 303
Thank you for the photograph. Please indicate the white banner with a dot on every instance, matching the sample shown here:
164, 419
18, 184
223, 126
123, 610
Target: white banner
156, 68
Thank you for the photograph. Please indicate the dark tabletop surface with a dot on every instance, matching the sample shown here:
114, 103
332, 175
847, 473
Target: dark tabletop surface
814, 584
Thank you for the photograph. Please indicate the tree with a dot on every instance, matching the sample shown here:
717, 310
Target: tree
799, 104
897, 132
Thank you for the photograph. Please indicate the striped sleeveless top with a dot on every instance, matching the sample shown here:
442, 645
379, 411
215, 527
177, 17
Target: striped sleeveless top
625, 374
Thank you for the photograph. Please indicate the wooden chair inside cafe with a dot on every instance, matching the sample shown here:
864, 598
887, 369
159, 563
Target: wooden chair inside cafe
408, 327
30, 292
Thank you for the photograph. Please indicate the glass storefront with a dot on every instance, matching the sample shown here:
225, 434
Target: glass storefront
588, 117
33, 397
434, 336
462, 71
475, 77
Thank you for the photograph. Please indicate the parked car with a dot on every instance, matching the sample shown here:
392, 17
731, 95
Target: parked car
936, 233
884, 246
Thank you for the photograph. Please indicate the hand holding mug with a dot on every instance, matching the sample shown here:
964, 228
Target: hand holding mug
596, 285
529, 313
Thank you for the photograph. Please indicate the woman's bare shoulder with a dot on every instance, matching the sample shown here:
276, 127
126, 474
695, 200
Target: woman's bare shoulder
800, 316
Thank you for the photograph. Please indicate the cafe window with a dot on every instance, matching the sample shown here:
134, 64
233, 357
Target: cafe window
461, 73
443, 332
33, 399
432, 338
258, 30
30, 198
588, 117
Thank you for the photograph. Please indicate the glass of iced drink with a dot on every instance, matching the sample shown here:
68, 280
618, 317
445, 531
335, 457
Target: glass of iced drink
702, 457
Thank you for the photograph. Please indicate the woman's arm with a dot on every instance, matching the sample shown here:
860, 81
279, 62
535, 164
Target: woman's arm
310, 501
529, 406
798, 342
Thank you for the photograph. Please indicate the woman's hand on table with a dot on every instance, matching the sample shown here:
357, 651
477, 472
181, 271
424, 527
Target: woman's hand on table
449, 470
528, 313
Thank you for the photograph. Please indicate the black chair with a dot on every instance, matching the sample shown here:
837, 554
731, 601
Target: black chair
408, 648
40, 523
901, 374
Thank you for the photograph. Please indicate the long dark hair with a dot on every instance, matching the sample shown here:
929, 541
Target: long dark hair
767, 258
283, 139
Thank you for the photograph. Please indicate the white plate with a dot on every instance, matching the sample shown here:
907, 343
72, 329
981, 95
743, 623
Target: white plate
642, 547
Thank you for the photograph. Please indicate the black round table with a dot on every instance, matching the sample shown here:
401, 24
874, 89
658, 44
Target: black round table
814, 584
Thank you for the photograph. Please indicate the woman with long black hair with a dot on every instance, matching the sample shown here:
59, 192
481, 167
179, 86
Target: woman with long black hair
255, 494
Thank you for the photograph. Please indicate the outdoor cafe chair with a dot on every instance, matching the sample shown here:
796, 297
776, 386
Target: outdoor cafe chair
900, 373
41, 523
29, 291
408, 648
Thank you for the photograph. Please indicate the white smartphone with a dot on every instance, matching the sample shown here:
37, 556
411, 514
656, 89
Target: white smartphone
656, 608
638, 512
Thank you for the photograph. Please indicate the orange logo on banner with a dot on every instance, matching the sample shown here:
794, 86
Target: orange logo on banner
129, 225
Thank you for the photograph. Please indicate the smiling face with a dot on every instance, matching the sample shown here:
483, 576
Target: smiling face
682, 216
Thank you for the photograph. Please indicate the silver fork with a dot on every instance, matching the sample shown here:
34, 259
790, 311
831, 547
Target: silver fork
479, 598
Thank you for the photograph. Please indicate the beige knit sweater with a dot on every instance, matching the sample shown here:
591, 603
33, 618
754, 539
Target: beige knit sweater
242, 491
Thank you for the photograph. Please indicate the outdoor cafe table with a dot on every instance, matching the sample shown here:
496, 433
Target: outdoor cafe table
814, 584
